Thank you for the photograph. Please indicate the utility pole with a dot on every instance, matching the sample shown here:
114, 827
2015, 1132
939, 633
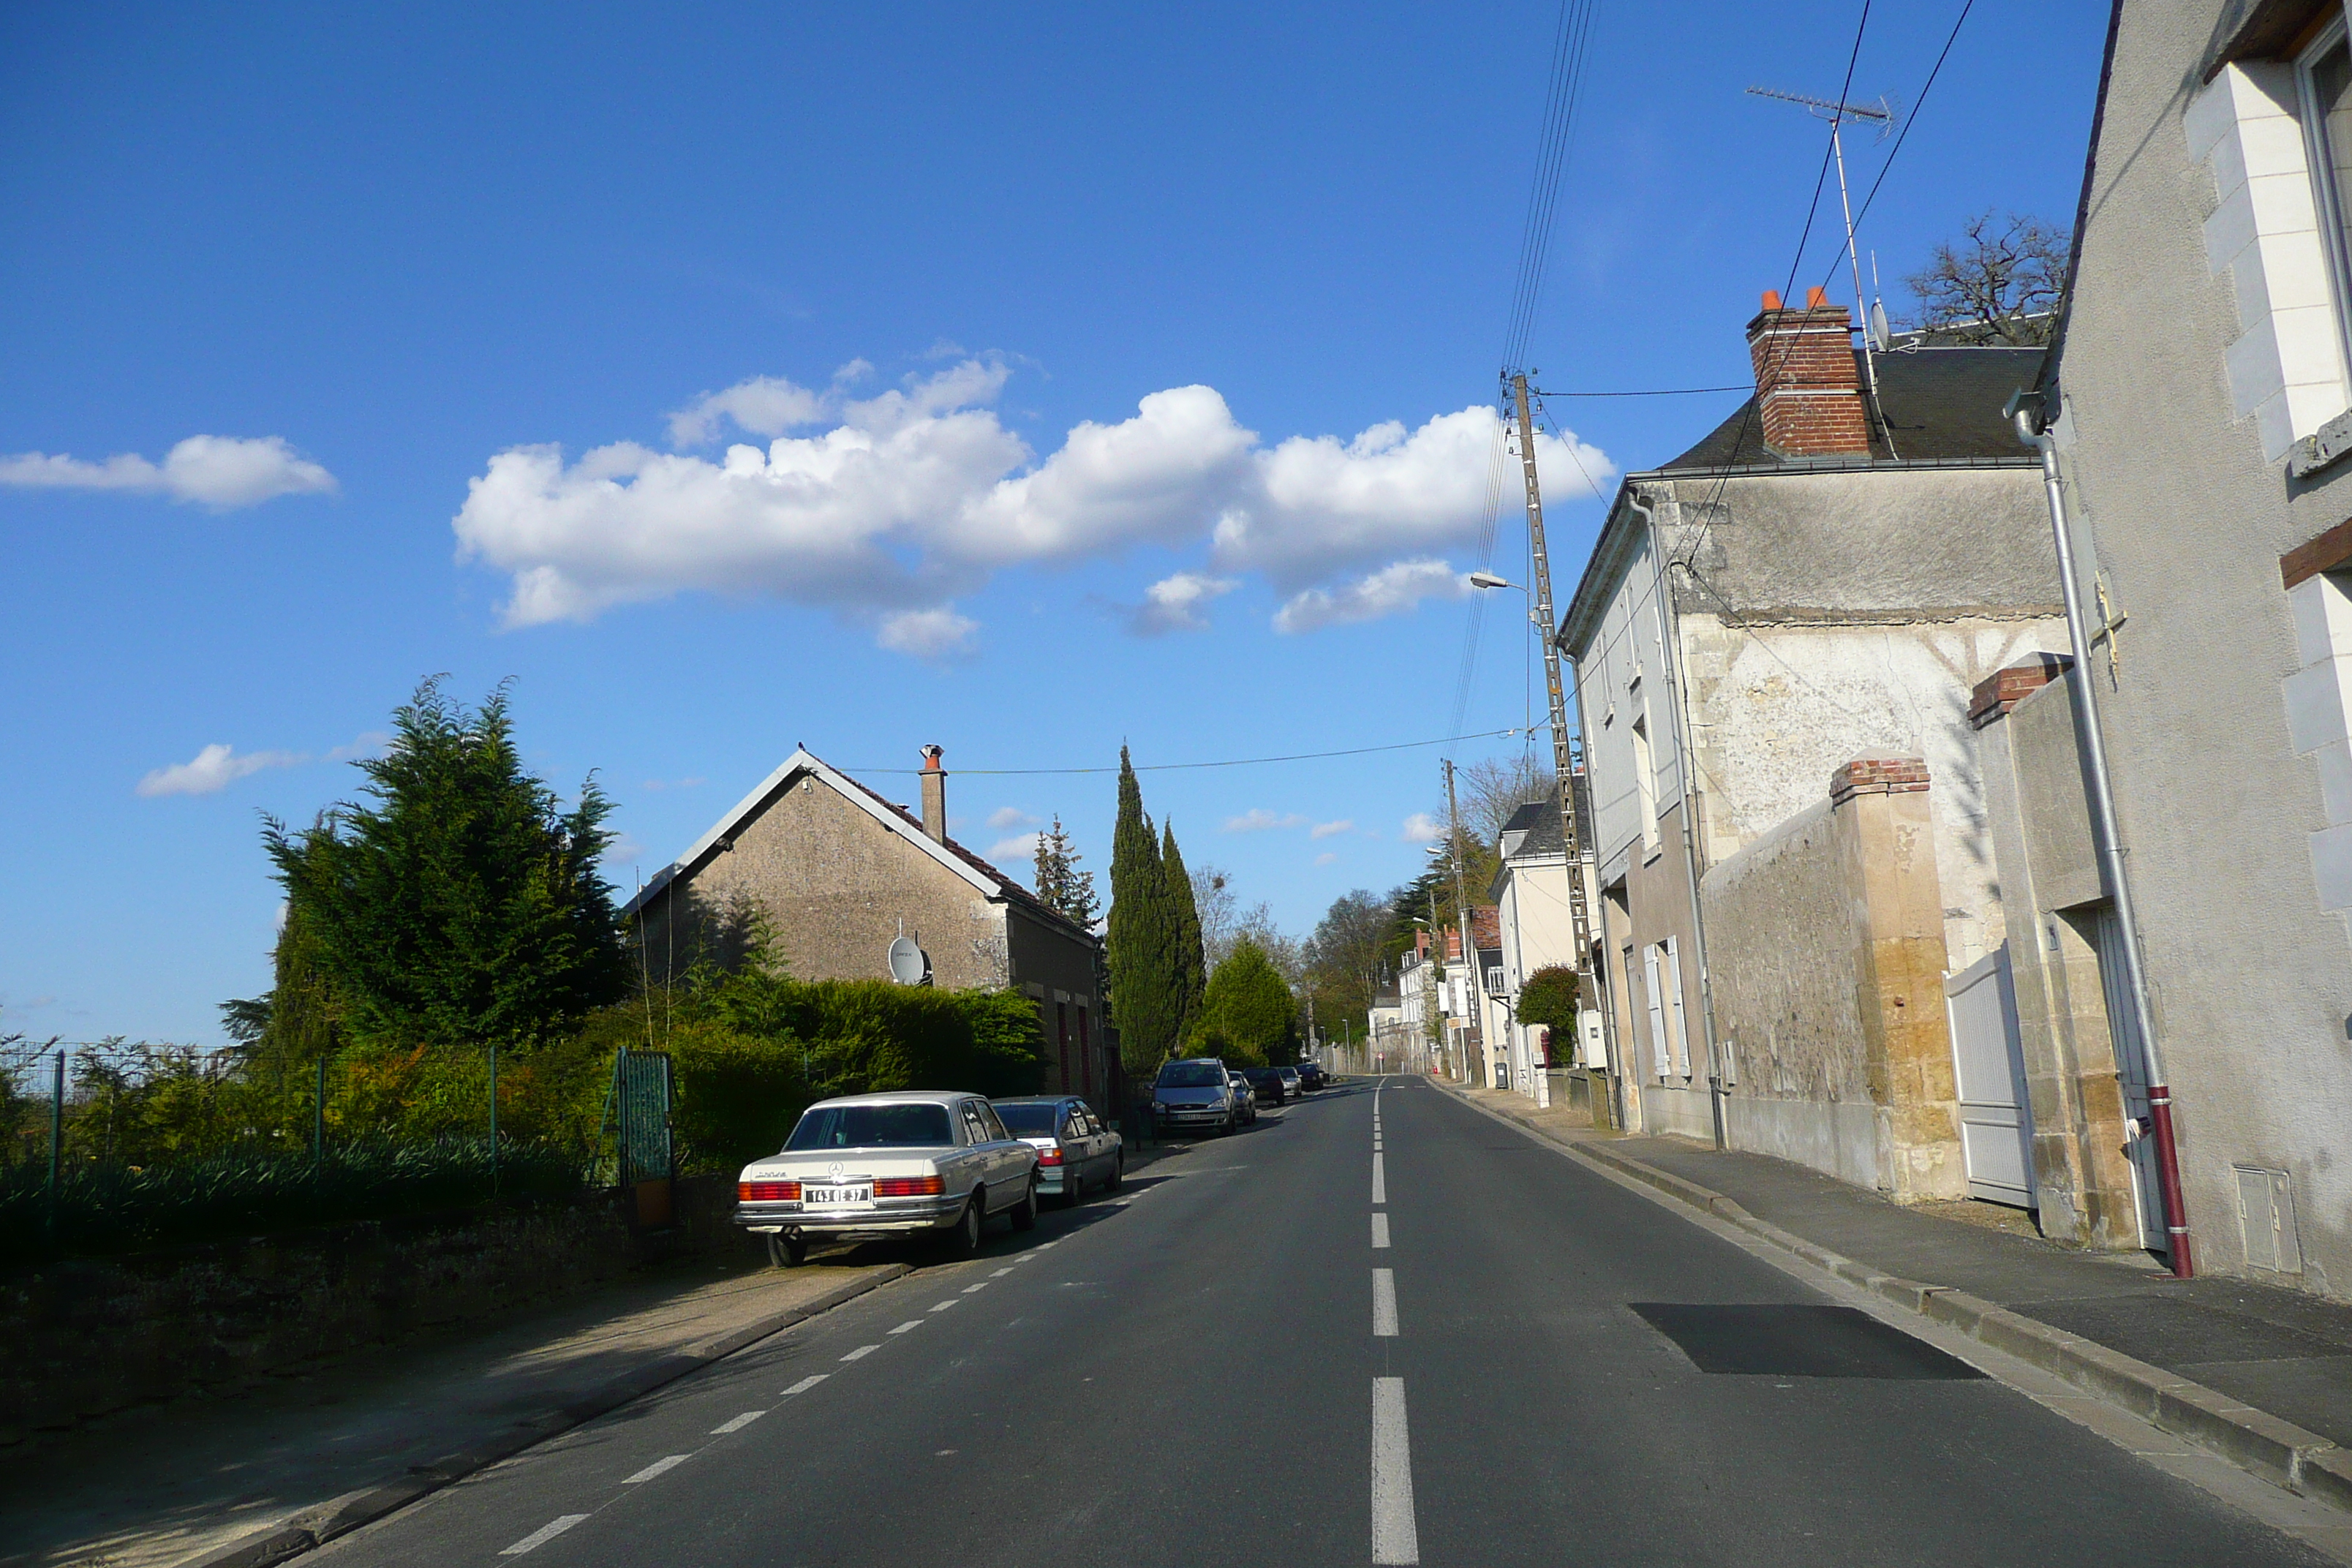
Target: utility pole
1462, 916
1581, 917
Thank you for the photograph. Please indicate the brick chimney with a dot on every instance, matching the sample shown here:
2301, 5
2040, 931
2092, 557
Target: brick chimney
1806, 384
935, 795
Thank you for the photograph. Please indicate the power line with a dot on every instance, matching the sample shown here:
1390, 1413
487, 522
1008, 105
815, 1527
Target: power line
1224, 762
1654, 391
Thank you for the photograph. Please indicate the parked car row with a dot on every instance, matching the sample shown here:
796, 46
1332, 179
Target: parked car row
869, 1166
1202, 1094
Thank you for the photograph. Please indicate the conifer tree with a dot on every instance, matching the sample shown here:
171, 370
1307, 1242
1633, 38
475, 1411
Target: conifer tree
1141, 945
1191, 969
1060, 883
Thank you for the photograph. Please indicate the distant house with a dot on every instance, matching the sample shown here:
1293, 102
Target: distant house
1535, 930
1775, 643
835, 875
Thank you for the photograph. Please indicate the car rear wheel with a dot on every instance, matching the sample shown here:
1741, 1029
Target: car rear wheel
964, 1239
787, 1251
1024, 1214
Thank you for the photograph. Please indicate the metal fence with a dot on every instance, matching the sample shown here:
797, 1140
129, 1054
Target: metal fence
109, 1144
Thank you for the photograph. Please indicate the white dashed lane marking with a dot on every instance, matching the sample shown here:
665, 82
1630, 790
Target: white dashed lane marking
738, 1423
544, 1534
804, 1384
862, 1351
1380, 1230
969, 1289
1002, 1272
1384, 1316
944, 1306
1380, 1180
909, 1323
1394, 1538
658, 1468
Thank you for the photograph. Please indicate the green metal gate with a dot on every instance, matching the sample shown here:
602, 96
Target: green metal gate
638, 1115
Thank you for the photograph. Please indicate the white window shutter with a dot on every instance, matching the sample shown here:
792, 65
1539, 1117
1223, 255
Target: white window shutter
1674, 995
1660, 1050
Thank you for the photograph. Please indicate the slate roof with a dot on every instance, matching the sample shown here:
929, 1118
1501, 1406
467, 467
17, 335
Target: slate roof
1539, 819
1942, 404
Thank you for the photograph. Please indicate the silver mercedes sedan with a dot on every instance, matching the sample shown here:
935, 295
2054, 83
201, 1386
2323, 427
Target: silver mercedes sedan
868, 1166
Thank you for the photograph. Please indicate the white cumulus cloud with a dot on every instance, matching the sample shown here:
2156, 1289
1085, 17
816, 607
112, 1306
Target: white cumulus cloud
1422, 828
1326, 858
1327, 829
929, 634
1387, 592
1020, 847
894, 504
1260, 820
217, 471
1176, 604
213, 769
1006, 816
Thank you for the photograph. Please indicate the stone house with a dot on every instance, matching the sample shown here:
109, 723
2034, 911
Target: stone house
2197, 402
1774, 645
1535, 929
835, 874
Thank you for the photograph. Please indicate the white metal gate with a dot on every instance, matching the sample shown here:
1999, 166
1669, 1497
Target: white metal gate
1996, 1112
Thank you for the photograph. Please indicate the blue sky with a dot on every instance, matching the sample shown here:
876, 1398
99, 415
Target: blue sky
1256, 257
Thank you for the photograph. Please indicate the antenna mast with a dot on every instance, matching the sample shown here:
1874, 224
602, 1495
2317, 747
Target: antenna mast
1578, 916
1883, 115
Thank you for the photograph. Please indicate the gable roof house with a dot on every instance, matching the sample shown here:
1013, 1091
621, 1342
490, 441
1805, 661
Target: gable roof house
1535, 930
835, 874
1774, 643
2198, 411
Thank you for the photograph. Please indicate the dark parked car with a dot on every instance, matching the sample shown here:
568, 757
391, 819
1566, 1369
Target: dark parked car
1192, 1093
1267, 1085
1310, 1076
1076, 1152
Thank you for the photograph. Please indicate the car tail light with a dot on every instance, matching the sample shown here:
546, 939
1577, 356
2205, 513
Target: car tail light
768, 1191
1050, 1156
910, 1187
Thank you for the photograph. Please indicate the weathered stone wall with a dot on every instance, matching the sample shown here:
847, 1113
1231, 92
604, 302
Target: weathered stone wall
81, 1337
1827, 941
836, 886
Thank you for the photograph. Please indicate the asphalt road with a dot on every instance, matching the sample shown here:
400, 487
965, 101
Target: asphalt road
1225, 1364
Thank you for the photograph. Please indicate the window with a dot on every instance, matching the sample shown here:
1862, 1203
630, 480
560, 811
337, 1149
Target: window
872, 1127
2324, 80
974, 1129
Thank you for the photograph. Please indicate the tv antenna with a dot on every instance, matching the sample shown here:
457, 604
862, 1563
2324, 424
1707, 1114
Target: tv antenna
1882, 115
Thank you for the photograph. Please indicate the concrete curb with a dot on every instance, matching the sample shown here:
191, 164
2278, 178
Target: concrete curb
314, 1527
2280, 1452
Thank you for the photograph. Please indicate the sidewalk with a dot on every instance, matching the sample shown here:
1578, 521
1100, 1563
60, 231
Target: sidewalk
2277, 1360
245, 1477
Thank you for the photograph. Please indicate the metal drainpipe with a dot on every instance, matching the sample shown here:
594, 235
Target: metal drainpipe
2110, 855
1688, 778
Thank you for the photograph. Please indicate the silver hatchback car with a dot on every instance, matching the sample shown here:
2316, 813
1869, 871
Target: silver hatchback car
872, 1165
1076, 1149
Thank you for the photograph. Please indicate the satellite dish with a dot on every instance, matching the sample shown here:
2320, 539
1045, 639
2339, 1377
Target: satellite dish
908, 965
1879, 334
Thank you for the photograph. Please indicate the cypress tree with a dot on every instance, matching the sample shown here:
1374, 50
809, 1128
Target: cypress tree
1138, 947
1188, 962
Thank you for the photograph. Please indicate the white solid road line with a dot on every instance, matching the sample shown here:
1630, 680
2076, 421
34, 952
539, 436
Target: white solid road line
1394, 1540
909, 1323
738, 1423
1380, 1230
658, 1468
804, 1384
544, 1534
862, 1351
1384, 1323
1379, 1181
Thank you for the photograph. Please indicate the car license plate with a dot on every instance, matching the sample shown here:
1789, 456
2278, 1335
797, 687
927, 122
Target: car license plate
860, 1196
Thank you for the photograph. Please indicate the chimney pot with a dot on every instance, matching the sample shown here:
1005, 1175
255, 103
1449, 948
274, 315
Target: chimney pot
935, 795
1815, 298
1772, 298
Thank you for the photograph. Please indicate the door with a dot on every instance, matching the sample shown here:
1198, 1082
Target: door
1996, 1112
1011, 1159
2131, 1070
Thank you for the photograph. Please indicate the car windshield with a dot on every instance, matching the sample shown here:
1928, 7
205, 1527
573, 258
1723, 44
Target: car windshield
871, 1127
1191, 1074
1028, 1120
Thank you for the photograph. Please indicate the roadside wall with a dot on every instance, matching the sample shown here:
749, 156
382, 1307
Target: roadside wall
1827, 962
82, 1337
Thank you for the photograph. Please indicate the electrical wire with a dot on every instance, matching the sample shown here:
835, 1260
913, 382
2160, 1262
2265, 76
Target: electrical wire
1223, 763
1658, 391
